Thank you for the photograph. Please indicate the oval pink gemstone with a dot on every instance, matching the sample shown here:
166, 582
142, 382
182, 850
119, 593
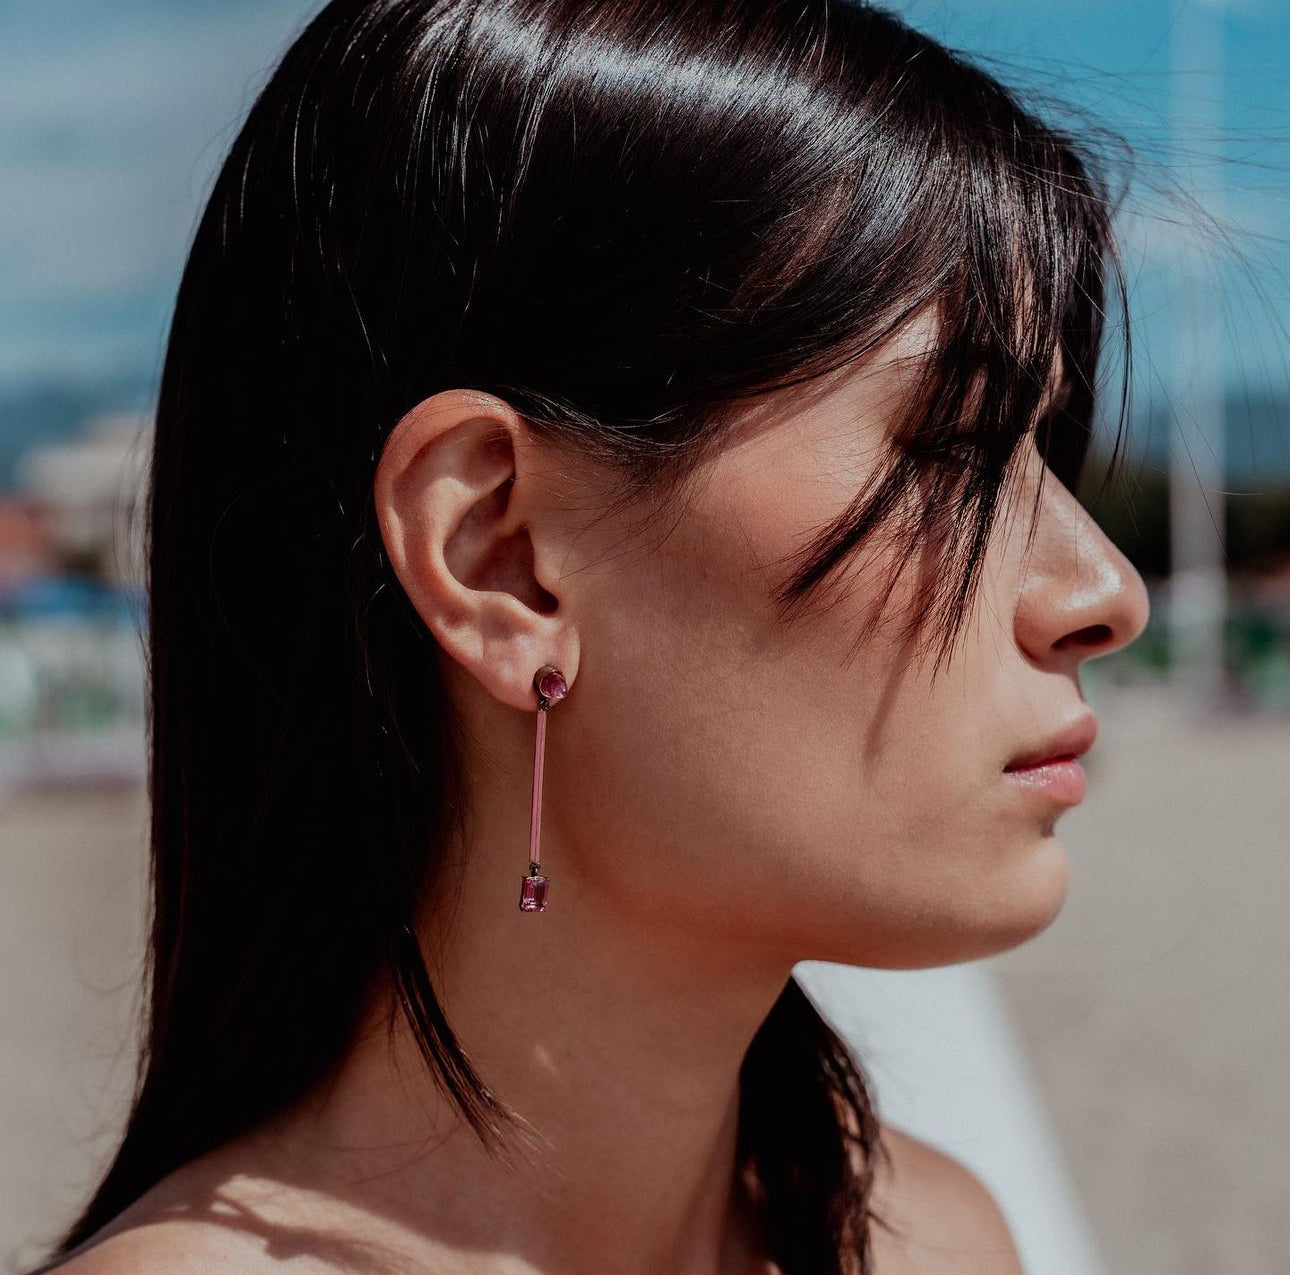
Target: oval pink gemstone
552, 685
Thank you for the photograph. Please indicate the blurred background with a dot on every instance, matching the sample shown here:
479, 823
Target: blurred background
1152, 1013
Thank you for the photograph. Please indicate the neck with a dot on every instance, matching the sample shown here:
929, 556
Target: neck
618, 1044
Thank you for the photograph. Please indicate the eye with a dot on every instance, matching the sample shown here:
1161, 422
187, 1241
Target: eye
1053, 412
1062, 447
953, 448
1043, 434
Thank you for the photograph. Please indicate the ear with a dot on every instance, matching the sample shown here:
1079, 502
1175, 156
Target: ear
470, 530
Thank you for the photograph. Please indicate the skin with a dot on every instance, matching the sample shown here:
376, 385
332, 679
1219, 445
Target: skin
725, 795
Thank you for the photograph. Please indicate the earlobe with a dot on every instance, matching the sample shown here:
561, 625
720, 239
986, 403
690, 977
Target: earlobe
461, 510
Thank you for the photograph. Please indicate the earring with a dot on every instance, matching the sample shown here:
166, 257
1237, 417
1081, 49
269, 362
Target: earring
550, 685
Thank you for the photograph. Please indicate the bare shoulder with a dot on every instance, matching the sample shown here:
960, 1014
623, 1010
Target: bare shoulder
199, 1220
942, 1218
161, 1248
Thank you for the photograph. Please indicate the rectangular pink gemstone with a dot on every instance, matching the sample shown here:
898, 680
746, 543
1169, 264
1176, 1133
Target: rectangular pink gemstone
533, 894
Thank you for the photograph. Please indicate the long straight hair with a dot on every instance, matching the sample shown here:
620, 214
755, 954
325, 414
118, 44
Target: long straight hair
623, 217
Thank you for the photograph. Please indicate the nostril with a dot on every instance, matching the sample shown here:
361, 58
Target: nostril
1089, 635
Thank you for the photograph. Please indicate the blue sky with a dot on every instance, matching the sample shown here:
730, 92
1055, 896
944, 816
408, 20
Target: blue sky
114, 115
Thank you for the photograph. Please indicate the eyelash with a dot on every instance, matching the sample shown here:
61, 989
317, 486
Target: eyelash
962, 448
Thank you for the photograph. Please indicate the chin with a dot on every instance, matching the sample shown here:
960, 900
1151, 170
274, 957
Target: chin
1031, 901
1006, 909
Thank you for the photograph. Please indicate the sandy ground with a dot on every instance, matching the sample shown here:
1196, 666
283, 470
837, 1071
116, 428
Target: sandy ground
1154, 1007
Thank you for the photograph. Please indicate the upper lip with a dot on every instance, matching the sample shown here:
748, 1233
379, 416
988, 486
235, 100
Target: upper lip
1071, 741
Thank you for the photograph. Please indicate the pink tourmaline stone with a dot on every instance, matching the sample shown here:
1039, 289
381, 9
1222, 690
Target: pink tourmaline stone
533, 894
552, 685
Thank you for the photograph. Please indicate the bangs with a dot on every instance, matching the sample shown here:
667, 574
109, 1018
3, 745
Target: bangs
1009, 244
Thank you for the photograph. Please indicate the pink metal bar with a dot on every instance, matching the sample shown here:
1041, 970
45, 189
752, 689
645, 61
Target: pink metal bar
539, 751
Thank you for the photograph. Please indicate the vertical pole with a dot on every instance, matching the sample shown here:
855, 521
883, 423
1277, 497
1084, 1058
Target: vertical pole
1197, 597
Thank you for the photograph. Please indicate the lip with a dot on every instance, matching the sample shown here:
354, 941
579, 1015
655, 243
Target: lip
1052, 767
1063, 780
1071, 741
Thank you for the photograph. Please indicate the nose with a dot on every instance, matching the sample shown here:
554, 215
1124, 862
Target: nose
1080, 597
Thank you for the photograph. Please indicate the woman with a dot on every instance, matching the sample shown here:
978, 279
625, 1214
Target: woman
687, 373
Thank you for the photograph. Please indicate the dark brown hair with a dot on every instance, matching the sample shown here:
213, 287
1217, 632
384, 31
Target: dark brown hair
623, 217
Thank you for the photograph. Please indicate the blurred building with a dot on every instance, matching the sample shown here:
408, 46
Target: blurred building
26, 542
89, 498
72, 609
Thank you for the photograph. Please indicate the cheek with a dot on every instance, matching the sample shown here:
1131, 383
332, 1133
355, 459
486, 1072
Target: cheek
706, 736
733, 775
724, 761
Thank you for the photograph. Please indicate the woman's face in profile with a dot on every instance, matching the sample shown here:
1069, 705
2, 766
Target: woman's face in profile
728, 772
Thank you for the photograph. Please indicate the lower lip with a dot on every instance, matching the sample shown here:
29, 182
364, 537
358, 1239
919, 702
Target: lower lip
1064, 781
